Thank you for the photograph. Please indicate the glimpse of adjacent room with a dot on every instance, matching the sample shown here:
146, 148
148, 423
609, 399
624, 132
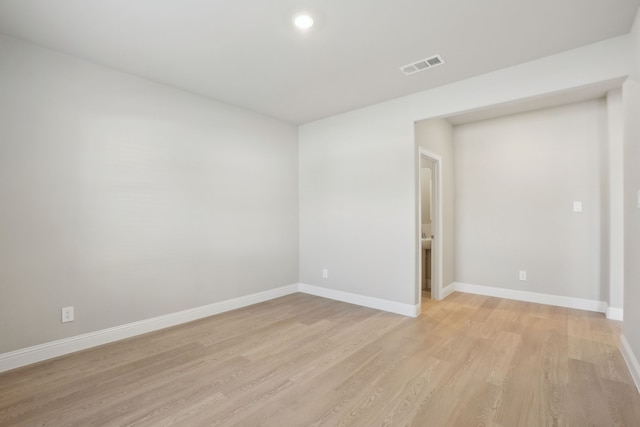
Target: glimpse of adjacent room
530, 204
427, 236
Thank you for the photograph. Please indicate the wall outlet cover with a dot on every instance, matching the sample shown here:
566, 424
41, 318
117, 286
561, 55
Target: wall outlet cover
577, 206
67, 314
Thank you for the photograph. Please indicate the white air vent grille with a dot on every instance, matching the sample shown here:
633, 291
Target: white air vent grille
423, 64
409, 69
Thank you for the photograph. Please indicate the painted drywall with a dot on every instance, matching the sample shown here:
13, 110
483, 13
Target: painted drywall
128, 199
613, 193
631, 101
425, 185
354, 212
634, 38
436, 135
631, 331
516, 180
358, 170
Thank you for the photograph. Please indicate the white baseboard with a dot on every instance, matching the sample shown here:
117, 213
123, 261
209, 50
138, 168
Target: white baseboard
38, 353
557, 300
632, 361
447, 290
380, 304
614, 313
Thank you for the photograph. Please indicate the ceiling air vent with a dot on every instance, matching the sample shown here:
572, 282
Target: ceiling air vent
409, 69
422, 64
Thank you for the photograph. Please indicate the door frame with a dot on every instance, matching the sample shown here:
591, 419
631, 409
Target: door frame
436, 225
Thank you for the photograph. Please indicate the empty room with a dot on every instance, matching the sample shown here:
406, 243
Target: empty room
304, 213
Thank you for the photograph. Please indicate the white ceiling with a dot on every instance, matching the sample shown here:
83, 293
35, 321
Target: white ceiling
246, 53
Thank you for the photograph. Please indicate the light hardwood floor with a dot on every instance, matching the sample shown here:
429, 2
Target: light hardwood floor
302, 360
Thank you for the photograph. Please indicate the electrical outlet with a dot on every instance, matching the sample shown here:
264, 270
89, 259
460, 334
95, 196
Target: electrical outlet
577, 206
325, 273
523, 275
67, 314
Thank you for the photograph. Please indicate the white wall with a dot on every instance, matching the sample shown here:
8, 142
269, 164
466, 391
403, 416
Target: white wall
425, 196
425, 185
358, 169
631, 330
516, 179
634, 39
436, 136
354, 213
631, 99
614, 194
128, 199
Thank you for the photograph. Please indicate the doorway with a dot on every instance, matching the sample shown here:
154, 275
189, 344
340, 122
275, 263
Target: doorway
429, 226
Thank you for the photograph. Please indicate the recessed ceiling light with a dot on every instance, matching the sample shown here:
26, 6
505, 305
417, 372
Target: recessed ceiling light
303, 21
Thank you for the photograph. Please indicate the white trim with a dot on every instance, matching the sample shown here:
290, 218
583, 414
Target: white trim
615, 313
632, 361
557, 300
380, 304
38, 353
448, 290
